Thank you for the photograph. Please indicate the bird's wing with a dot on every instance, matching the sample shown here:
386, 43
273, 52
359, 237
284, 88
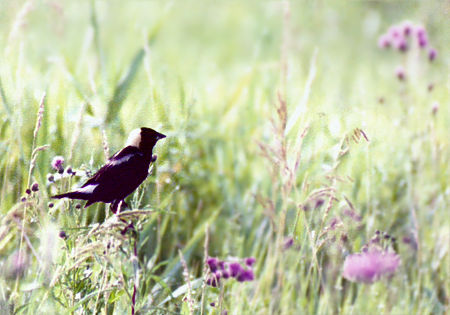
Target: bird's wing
117, 166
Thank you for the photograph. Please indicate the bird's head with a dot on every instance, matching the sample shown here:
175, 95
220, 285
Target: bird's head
144, 139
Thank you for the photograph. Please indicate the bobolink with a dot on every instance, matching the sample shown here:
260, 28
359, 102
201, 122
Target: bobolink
122, 173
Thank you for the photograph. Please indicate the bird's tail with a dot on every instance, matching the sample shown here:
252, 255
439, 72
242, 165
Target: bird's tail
71, 195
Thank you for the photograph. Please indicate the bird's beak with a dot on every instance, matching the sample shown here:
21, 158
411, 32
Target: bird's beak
161, 136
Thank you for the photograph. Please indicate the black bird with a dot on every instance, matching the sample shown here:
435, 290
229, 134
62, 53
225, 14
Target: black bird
122, 173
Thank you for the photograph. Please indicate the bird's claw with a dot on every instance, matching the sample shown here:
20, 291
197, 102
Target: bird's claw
128, 227
154, 157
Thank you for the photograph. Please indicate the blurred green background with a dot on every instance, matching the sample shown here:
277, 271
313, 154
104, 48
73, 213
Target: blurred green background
209, 74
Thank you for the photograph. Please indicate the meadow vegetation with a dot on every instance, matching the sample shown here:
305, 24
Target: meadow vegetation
293, 141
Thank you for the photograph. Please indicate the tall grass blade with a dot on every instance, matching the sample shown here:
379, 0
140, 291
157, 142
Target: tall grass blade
5, 100
122, 88
301, 106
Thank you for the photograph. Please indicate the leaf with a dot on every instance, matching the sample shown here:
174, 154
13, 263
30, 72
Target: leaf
84, 299
182, 290
21, 308
114, 296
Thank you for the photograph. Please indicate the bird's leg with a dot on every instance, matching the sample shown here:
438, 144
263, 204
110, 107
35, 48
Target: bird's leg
118, 205
125, 205
114, 206
130, 227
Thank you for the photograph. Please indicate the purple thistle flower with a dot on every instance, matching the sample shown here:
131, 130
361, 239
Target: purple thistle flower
395, 32
35, 187
57, 163
246, 275
225, 270
213, 281
420, 31
250, 261
422, 37
400, 73
375, 240
435, 108
225, 274
401, 44
384, 41
212, 263
288, 242
422, 41
370, 266
235, 269
407, 27
432, 54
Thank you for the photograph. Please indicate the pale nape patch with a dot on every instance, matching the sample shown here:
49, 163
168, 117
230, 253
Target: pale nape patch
134, 139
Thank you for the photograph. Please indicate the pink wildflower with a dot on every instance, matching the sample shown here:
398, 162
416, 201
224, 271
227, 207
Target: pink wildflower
370, 266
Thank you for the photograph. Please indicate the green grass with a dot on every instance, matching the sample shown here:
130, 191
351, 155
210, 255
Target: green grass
222, 79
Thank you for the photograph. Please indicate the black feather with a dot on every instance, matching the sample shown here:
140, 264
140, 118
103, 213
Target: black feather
71, 195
